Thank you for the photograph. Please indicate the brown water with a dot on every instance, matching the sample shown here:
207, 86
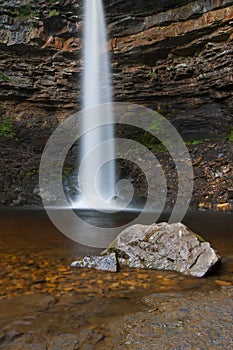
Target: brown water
42, 299
35, 256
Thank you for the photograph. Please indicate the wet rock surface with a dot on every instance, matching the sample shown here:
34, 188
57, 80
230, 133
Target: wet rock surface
185, 320
176, 321
104, 263
165, 247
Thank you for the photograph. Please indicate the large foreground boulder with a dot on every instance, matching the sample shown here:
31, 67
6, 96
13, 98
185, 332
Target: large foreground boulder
164, 246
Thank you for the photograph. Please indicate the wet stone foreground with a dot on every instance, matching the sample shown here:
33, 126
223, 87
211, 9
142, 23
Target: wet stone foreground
45, 304
175, 321
51, 306
87, 309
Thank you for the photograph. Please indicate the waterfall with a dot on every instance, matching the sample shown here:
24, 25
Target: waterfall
97, 178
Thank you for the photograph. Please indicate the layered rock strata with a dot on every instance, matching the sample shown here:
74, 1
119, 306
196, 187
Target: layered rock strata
172, 56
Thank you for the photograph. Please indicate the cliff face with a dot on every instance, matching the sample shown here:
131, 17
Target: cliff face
40, 52
178, 60
172, 55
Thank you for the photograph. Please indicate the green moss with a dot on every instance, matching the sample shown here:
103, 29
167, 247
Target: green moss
61, 2
110, 249
195, 142
150, 142
6, 127
200, 237
157, 125
66, 172
160, 148
152, 75
24, 11
31, 172
54, 13
230, 136
4, 77
145, 137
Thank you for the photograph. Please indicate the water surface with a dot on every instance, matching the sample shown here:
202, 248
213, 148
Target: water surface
43, 300
35, 256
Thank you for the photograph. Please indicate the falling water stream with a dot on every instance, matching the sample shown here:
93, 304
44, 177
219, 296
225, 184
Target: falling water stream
97, 174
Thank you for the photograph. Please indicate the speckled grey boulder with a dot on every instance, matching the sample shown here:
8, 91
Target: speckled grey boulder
105, 263
164, 246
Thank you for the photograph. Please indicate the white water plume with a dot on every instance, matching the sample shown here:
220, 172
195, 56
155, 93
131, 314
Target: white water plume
97, 179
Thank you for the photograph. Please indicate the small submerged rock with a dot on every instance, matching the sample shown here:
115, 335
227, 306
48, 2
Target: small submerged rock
105, 263
225, 207
164, 246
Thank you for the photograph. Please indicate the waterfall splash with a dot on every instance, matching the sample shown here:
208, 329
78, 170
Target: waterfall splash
97, 177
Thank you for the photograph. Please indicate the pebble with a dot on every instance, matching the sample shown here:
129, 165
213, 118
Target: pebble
56, 278
223, 283
223, 207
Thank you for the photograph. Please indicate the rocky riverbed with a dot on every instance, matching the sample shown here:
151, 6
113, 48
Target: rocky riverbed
186, 320
180, 321
47, 305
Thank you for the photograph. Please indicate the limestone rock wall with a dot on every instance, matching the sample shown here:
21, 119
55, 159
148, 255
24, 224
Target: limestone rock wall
172, 55
40, 52
177, 58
